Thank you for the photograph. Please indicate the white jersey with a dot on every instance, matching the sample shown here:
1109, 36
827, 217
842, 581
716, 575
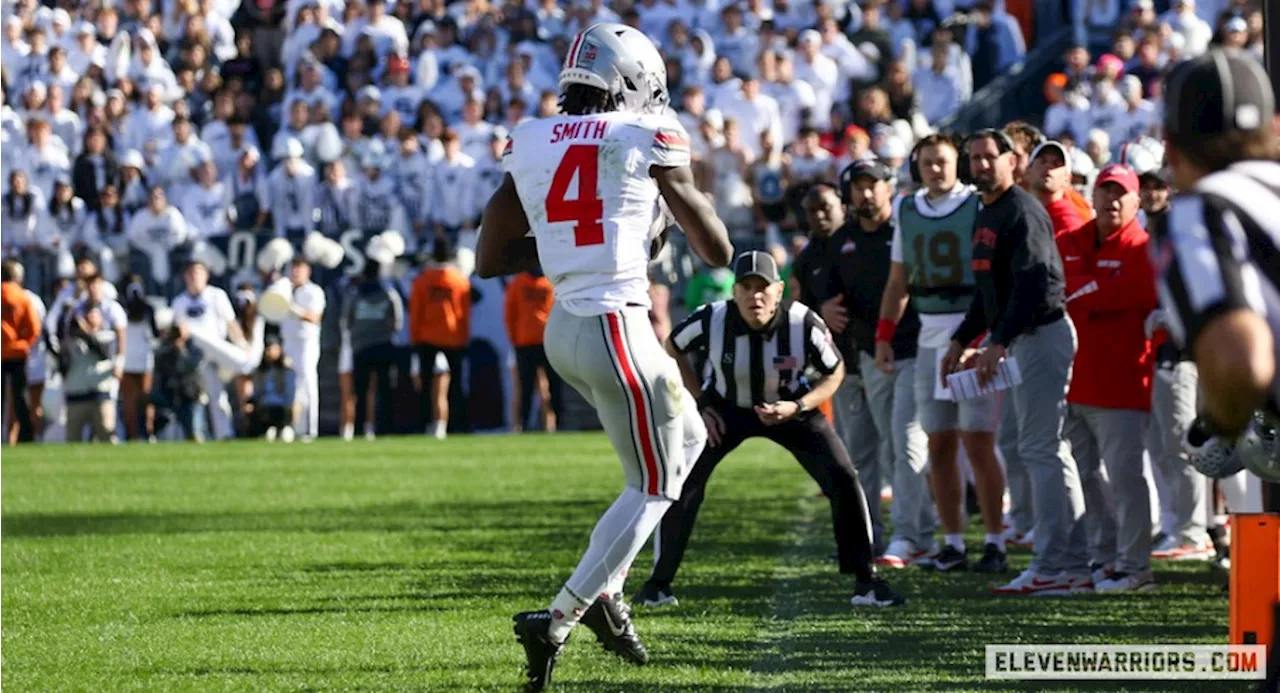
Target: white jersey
207, 312
294, 331
585, 186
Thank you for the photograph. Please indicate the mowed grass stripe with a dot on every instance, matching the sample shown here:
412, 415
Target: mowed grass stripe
396, 565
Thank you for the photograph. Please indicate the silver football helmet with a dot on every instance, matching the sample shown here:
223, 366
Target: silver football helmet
623, 62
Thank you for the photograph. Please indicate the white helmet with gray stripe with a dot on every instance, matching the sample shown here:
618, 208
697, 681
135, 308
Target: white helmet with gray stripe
620, 61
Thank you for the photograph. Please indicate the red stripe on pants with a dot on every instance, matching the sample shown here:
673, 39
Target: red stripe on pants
637, 396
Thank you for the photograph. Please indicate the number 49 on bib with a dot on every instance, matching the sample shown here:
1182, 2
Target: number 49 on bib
586, 209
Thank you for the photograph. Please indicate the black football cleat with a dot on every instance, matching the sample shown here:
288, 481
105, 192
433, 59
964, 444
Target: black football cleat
993, 561
533, 631
877, 592
654, 594
610, 620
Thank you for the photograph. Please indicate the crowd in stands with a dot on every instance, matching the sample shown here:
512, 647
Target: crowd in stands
134, 134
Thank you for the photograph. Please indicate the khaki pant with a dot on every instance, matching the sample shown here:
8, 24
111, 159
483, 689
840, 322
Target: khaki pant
100, 415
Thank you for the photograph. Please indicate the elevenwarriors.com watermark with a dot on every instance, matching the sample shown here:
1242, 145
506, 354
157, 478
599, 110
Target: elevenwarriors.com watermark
1068, 662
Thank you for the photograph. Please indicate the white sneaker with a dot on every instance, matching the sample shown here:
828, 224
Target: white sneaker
440, 430
899, 554
1101, 571
271, 434
370, 435
286, 434
348, 432
1175, 550
1032, 583
1128, 582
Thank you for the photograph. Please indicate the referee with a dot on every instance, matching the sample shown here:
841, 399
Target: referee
1217, 251
770, 364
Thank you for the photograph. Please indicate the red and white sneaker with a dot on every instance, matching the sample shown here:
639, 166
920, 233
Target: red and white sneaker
1032, 583
1174, 550
1022, 540
1127, 582
902, 553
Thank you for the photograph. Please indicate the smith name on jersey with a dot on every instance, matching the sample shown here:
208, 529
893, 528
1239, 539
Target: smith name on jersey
592, 205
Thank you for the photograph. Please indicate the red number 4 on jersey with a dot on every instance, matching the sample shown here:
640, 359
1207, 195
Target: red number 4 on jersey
587, 209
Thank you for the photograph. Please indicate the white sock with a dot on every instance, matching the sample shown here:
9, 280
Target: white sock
616, 583
618, 536
565, 612
440, 429
997, 539
348, 431
955, 541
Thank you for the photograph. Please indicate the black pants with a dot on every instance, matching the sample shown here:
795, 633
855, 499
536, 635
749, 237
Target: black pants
528, 360
375, 361
15, 387
268, 417
457, 400
817, 448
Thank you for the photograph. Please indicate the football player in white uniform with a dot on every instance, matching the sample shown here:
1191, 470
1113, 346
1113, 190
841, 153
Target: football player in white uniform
581, 197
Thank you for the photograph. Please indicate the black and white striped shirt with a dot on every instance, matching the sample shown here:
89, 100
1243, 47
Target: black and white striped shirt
749, 367
1218, 250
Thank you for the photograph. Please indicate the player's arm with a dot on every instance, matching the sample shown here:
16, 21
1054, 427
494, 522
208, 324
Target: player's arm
504, 246
893, 302
693, 211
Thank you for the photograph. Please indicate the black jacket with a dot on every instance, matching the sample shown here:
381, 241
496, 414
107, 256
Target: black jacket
1016, 268
860, 271
85, 183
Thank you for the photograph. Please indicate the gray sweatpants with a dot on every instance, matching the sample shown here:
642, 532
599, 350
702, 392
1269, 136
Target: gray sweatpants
1040, 401
904, 448
1021, 506
1174, 394
857, 430
1117, 502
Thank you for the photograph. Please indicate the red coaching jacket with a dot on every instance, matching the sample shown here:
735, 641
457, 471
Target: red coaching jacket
1111, 289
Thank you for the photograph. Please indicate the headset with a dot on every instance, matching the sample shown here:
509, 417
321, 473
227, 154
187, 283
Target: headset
846, 179
1003, 142
913, 160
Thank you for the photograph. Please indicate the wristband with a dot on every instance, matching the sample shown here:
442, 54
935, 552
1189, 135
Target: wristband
885, 330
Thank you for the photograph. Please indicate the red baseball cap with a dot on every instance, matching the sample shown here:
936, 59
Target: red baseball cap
398, 63
1119, 173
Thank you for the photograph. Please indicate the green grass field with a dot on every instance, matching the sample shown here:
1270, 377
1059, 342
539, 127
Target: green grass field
396, 566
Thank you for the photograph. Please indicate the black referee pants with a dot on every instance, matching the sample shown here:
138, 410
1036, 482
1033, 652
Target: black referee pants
808, 437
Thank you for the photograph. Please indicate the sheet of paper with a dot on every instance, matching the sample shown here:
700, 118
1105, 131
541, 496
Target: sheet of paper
1082, 291
964, 384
